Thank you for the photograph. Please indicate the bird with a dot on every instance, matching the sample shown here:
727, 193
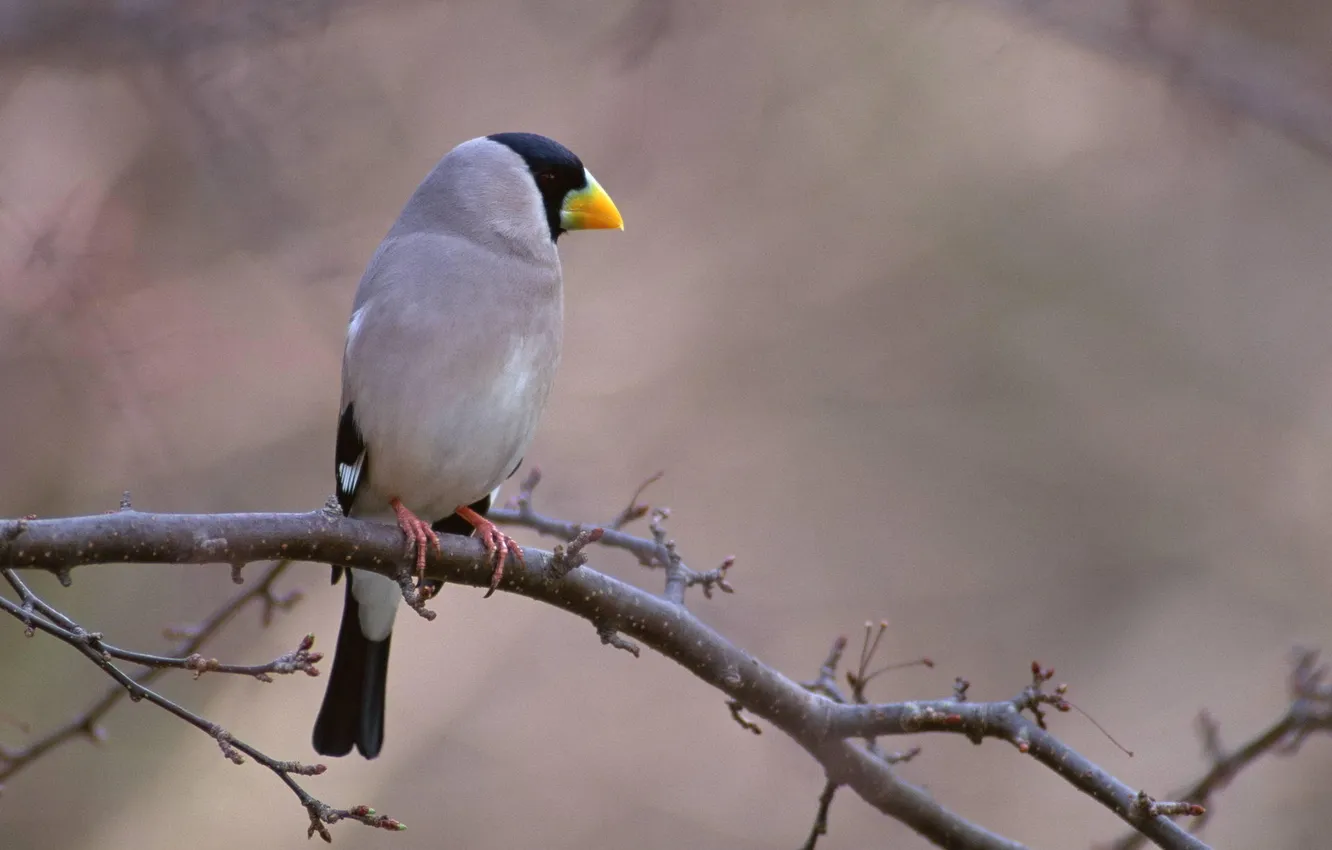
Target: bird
452, 347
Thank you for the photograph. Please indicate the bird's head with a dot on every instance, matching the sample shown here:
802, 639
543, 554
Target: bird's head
570, 196
520, 189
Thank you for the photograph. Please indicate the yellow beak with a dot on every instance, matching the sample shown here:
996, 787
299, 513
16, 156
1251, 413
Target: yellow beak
590, 208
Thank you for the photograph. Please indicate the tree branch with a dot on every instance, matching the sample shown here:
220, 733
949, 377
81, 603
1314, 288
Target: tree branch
656, 551
826, 684
12, 760
820, 827
1310, 711
817, 723
37, 615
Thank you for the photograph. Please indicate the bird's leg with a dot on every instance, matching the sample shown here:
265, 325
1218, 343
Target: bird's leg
496, 542
419, 535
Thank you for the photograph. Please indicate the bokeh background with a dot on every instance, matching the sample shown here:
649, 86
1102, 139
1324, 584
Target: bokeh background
927, 315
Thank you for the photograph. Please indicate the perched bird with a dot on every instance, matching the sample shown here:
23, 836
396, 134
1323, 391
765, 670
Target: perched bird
451, 350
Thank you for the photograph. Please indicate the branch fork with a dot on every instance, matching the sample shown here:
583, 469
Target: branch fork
835, 722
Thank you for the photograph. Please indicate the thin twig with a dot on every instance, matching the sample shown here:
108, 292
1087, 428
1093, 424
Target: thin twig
1309, 712
825, 684
299, 660
738, 714
36, 613
820, 827
563, 560
634, 510
85, 725
657, 551
820, 725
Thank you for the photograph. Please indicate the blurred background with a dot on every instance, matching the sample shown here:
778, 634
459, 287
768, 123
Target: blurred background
928, 315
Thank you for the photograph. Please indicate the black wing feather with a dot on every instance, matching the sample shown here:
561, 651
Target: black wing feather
351, 462
351, 465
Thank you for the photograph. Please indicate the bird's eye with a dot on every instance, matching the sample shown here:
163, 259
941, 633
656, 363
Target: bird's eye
546, 177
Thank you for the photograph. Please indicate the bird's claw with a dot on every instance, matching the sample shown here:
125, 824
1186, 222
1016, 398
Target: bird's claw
501, 546
497, 543
419, 537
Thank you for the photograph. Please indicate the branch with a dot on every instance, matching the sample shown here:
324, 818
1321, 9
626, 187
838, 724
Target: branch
1222, 67
53, 622
12, 760
657, 551
37, 615
826, 684
1006, 721
820, 827
1310, 711
820, 725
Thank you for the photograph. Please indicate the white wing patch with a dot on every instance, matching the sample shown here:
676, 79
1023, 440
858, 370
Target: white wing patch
354, 326
349, 474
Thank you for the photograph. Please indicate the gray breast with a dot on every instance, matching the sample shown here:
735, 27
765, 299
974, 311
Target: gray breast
451, 363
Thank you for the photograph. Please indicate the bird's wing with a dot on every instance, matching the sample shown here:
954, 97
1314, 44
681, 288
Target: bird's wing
351, 464
351, 459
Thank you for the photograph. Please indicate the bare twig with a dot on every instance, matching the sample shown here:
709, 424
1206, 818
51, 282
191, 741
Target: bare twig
1309, 712
738, 712
657, 551
1146, 806
299, 660
321, 536
860, 678
677, 574
39, 615
819, 724
563, 560
85, 725
610, 637
825, 684
715, 578
413, 595
820, 827
634, 510
1033, 696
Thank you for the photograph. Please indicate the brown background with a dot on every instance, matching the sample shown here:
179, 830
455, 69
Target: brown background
927, 317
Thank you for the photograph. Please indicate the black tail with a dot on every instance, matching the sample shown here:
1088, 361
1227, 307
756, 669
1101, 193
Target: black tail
353, 709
